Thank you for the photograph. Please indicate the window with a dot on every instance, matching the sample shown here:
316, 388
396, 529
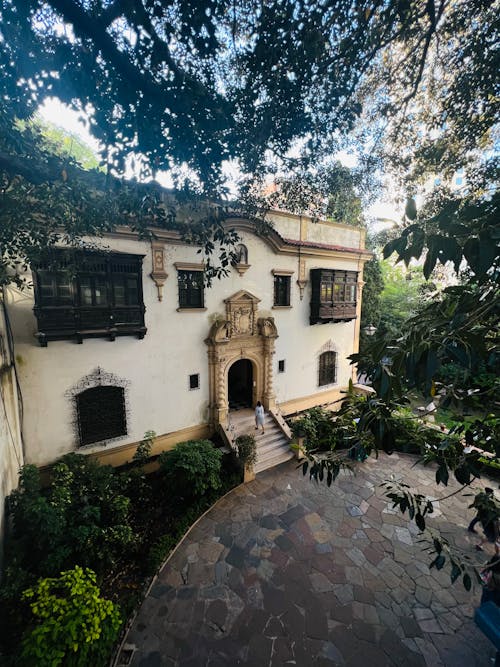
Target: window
190, 289
327, 368
334, 295
281, 366
83, 294
194, 381
281, 290
101, 414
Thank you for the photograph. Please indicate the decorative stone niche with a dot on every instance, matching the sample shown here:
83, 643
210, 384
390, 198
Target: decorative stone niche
158, 274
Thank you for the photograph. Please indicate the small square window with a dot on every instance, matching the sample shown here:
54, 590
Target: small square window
281, 366
194, 381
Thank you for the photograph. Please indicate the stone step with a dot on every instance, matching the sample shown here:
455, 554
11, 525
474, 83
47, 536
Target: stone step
251, 430
269, 433
269, 444
248, 422
272, 446
281, 457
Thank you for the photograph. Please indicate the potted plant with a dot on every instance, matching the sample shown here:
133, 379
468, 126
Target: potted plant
247, 453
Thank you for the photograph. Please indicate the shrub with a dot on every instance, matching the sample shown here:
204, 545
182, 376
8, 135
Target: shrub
327, 431
316, 426
192, 468
82, 517
135, 483
74, 625
247, 449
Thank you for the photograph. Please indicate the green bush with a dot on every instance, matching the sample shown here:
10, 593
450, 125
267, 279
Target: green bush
316, 427
74, 625
192, 468
411, 436
135, 483
247, 449
327, 431
82, 517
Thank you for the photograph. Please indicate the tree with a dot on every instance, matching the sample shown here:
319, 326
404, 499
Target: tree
401, 296
47, 197
196, 83
201, 82
332, 191
193, 84
371, 307
69, 145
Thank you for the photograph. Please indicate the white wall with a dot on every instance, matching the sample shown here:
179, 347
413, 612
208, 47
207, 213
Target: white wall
157, 368
11, 455
329, 233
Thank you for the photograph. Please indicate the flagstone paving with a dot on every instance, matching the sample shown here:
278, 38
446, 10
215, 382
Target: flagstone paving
284, 571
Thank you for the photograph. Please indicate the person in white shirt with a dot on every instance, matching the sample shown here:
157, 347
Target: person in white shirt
259, 416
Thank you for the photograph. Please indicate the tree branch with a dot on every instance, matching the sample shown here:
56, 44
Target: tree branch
92, 28
111, 13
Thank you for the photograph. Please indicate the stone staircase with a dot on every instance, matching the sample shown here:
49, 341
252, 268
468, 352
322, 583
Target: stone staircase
273, 446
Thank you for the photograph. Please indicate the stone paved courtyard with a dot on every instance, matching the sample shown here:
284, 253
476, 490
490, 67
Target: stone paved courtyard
283, 571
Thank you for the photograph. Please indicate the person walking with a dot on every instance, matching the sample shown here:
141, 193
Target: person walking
481, 503
488, 513
259, 416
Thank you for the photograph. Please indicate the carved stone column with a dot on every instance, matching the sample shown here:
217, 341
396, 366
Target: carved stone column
220, 390
212, 366
269, 397
267, 330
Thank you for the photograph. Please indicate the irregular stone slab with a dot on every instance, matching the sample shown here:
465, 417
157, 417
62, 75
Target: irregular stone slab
281, 572
292, 515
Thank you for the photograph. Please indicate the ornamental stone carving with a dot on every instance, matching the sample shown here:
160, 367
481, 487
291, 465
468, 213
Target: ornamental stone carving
220, 331
242, 320
241, 311
267, 328
158, 274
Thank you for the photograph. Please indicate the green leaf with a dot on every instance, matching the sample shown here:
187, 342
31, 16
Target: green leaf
411, 209
455, 572
462, 474
442, 474
420, 521
440, 561
430, 260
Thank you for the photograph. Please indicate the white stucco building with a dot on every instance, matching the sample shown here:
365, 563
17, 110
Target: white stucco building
131, 340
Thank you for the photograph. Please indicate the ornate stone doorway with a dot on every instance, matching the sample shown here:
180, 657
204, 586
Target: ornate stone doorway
240, 336
240, 385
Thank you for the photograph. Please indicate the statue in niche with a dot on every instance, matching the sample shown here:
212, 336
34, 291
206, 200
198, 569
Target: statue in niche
242, 253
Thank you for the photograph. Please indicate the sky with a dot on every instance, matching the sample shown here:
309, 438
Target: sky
381, 214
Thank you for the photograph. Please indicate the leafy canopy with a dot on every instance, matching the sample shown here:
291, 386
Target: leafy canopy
197, 83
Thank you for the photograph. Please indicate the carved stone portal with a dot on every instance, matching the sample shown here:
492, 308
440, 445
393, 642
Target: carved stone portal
242, 335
